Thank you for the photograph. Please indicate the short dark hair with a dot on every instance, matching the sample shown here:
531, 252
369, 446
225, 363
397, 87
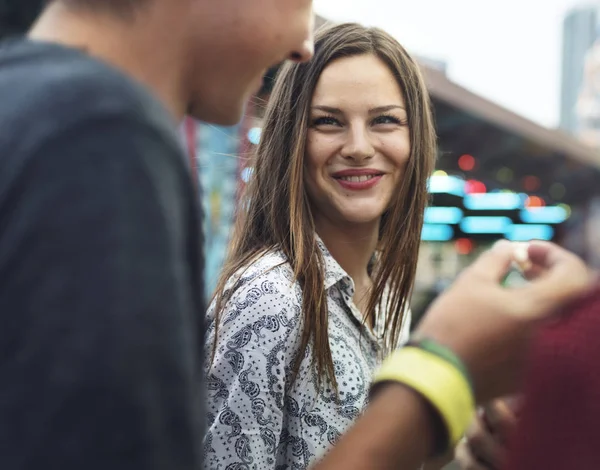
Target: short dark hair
118, 6
17, 16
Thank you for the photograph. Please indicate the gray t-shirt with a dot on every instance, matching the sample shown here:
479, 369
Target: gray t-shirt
101, 309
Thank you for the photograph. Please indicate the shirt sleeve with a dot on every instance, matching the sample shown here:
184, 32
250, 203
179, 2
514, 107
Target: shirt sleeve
98, 353
258, 339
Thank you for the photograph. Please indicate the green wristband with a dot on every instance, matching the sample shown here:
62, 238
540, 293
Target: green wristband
434, 347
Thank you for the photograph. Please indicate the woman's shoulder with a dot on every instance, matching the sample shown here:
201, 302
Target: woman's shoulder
266, 284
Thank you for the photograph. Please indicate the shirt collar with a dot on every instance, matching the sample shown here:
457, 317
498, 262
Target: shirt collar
334, 273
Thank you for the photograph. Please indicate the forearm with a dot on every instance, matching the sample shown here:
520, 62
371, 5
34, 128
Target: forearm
396, 431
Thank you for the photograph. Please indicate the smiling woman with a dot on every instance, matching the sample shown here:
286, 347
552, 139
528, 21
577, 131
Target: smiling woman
358, 144
319, 276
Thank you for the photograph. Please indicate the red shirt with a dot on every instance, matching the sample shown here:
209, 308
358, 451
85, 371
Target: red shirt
560, 421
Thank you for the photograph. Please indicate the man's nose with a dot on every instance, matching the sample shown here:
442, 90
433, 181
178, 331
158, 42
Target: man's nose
305, 53
307, 50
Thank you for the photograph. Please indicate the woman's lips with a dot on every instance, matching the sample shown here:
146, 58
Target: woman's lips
355, 181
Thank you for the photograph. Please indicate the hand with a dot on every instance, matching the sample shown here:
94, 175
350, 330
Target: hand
485, 444
489, 326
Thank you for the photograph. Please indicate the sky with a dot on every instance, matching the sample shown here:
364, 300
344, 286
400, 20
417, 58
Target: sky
508, 51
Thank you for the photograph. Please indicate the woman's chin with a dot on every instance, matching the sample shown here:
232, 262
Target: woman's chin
360, 217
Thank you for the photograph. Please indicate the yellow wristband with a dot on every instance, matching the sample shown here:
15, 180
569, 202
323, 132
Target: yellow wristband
438, 381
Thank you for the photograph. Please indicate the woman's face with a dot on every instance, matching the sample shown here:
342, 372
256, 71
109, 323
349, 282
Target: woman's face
358, 141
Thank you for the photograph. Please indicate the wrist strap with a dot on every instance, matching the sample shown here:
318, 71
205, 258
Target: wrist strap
445, 353
437, 380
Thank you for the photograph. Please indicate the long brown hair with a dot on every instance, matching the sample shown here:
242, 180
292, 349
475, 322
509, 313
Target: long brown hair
275, 212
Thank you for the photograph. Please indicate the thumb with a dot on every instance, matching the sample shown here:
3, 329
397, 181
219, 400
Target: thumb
494, 264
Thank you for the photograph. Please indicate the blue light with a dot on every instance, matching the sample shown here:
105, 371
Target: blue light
443, 215
254, 135
544, 215
436, 233
446, 184
493, 201
246, 174
485, 224
526, 232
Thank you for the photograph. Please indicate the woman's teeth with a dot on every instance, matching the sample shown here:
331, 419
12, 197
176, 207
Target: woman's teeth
357, 179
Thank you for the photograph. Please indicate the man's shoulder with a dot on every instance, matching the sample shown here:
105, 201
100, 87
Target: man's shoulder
46, 87
57, 101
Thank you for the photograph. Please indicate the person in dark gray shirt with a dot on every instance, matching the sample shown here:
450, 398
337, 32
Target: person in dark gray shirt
101, 315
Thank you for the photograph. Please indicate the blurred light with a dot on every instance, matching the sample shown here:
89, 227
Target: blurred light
466, 162
531, 183
254, 135
447, 185
463, 246
567, 208
493, 201
526, 232
440, 173
443, 215
534, 201
557, 191
485, 224
544, 215
436, 233
475, 187
504, 175
246, 174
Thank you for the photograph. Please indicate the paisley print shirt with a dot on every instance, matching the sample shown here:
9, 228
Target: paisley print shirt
257, 418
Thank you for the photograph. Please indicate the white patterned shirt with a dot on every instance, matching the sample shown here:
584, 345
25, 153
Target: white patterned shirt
259, 420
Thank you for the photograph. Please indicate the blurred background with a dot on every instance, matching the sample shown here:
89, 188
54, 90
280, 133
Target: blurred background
516, 92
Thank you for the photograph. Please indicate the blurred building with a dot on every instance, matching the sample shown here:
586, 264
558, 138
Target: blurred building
436, 64
588, 105
579, 34
483, 146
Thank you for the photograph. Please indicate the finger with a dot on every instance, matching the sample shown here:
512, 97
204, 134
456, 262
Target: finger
561, 276
483, 445
500, 419
466, 460
542, 256
493, 264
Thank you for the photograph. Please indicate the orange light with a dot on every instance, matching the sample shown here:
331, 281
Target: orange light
534, 201
466, 162
531, 183
475, 187
463, 246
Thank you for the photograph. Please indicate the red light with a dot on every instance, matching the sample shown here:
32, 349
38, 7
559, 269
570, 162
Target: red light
531, 183
463, 246
475, 187
466, 162
534, 201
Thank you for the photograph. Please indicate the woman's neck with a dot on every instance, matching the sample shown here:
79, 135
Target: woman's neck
352, 247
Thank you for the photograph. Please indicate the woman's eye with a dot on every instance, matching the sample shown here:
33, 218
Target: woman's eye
387, 120
325, 121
